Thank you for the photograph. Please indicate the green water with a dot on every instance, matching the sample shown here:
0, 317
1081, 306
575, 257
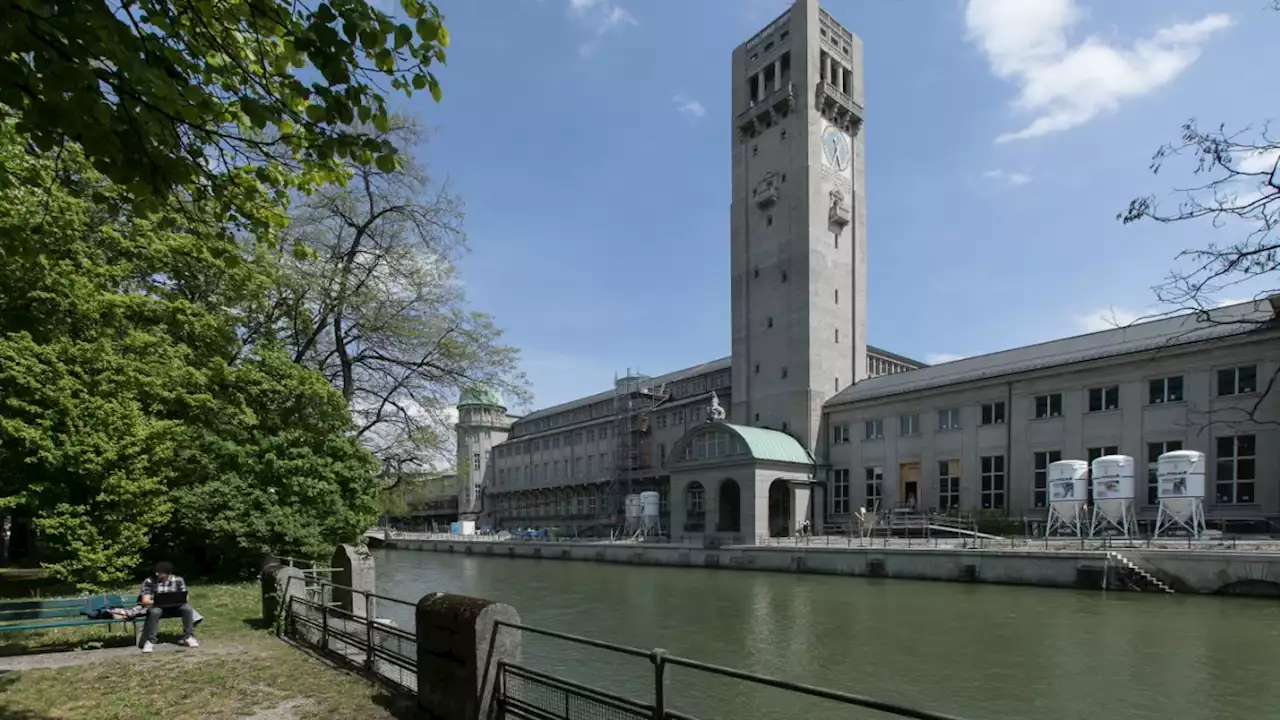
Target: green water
978, 651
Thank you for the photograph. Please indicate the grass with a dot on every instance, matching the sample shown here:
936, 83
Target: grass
241, 669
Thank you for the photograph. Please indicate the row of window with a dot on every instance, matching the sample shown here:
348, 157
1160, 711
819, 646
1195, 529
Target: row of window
582, 468
574, 502
1234, 477
1230, 381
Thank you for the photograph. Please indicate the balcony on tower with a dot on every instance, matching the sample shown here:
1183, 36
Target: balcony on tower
766, 192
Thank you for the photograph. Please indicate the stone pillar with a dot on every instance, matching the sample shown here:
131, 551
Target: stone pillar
457, 668
353, 567
279, 583
800, 500
826, 67
777, 74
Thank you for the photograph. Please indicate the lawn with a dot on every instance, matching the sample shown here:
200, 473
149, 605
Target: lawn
240, 670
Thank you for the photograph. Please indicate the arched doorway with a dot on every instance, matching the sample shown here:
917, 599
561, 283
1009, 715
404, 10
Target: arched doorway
729, 506
779, 508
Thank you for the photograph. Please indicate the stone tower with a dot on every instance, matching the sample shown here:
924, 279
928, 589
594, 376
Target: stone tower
798, 228
482, 423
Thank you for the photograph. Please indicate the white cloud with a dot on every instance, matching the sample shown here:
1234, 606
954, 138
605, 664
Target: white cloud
1063, 85
692, 108
1104, 319
1113, 317
1016, 179
939, 358
600, 17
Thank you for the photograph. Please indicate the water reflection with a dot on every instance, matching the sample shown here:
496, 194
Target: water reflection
977, 651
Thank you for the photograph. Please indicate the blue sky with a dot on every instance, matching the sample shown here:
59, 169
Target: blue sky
590, 140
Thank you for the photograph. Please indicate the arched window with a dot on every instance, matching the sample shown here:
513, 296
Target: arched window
694, 498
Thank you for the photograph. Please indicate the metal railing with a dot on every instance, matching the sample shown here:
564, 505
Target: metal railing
522, 693
360, 640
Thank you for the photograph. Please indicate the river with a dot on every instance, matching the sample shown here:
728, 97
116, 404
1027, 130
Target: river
982, 652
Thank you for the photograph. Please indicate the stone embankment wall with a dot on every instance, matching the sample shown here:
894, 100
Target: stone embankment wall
1192, 571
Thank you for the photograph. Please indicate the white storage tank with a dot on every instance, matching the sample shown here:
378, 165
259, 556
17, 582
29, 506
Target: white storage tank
1068, 486
1113, 485
650, 504
1180, 481
631, 506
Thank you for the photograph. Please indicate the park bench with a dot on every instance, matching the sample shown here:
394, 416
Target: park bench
47, 614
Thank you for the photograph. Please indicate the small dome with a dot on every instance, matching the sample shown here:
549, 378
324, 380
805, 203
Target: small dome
477, 395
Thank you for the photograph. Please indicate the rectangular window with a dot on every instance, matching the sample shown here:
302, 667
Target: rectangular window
948, 485
693, 496
909, 424
1236, 469
475, 462
1154, 451
839, 434
874, 429
993, 413
840, 492
992, 482
949, 419
1104, 398
1048, 406
1164, 390
875, 484
1040, 462
1237, 380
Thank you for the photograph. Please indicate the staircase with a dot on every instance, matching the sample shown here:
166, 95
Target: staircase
1149, 580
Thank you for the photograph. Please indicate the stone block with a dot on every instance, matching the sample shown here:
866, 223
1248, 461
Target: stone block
354, 568
279, 583
457, 668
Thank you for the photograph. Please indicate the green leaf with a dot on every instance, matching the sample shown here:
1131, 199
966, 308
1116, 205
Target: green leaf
386, 162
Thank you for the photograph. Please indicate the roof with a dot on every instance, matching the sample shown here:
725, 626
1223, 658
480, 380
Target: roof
1176, 331
872, 350
771, 445
477, 395
678, 375
690, 372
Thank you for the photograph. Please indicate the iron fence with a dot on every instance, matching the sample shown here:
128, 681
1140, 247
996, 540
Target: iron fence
521, 693
358, 639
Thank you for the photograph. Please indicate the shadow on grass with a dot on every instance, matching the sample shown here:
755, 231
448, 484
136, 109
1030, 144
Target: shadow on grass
20, 583
257, 623
7, 679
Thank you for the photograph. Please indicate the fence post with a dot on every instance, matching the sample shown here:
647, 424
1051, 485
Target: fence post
369, 620
324, 625
659, 659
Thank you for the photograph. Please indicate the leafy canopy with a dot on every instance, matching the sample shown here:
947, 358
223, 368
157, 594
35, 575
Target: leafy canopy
234, 101
132, 422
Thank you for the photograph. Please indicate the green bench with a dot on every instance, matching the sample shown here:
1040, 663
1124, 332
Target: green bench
37, 614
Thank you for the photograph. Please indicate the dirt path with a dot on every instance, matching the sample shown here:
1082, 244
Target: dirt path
70, 658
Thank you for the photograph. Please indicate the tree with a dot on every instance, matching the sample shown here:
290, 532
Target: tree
373, 303
125, 404
232, 101
1238, 192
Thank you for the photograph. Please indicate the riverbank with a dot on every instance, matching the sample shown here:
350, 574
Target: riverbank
1217, 571
241, 670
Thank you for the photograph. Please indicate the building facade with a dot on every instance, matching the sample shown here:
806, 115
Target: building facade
805, 423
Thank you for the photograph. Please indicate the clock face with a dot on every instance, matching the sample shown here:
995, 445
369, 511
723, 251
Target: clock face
836, 150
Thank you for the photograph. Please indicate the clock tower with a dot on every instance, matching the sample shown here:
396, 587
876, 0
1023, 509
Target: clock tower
798, 228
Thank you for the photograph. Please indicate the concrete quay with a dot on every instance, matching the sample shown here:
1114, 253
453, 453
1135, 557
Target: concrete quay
1254, 572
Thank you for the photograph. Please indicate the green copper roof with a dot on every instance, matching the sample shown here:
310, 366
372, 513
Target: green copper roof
772, 445
480, 396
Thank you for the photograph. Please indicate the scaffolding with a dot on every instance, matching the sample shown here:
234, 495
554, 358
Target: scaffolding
635, 397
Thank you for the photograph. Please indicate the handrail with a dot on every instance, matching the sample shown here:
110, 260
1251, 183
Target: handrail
660, 658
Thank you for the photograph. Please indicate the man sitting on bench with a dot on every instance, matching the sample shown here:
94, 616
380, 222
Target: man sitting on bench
164, 594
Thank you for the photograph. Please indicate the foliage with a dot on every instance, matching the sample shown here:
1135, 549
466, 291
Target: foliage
123, 399
368, 296
231, 101
273, 469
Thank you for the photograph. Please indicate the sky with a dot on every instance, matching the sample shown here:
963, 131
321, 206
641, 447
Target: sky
591, 139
